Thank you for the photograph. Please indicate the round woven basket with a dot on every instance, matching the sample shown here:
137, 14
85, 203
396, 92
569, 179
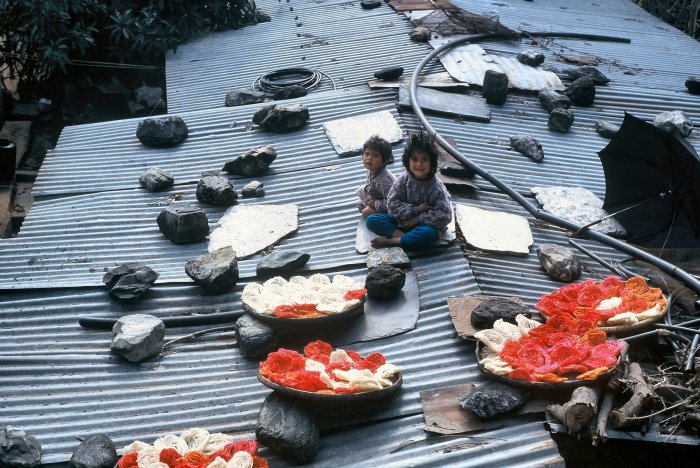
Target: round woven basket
334, 397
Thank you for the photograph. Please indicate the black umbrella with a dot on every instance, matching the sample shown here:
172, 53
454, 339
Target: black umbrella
652, 185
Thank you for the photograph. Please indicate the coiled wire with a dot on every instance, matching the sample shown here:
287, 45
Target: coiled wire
276, 80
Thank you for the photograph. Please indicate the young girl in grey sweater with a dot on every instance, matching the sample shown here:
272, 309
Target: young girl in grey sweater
376, 154
420, 207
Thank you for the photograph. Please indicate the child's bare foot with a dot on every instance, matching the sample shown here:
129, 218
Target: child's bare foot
379, 242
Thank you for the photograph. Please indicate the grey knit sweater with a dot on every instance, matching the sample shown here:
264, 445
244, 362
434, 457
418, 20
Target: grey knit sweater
408, 192
377, 186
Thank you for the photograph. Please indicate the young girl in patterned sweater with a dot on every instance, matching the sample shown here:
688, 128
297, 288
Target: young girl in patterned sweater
376, 154
420, 207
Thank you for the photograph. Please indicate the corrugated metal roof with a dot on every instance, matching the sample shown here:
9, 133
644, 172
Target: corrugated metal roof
59, 380
339, 38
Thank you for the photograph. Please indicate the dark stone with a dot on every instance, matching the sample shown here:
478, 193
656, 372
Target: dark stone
18, 449
281, 261
606, 129
492, 399
155, 179
581, 91
560, 120
129, 281
384, 282
216, 190
255, 338
550, 100
693, 84
389, 73
161, 131
290, 92
96, 451
528, 146
531, 58
420, 34
242, 97
252, 162
138, 337
456, 170
591, 72
559, 262
287, 428
495, 88
370, 4
254, 188
216, 272
675, 120
485, 314
261, 16
281, 118
183, 224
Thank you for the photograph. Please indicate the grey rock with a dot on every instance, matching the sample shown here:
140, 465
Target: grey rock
253, 162
96, 451
149, 96
138, 337
281, 118
560, 120
244, 96
589, 71
550, 100
495, 87
392, 256
287, 428
675, 120
216, 272
493, 399
578, 205
389, 73
384, 282
281, 261
531, 58
455, 170
183, 224
155, 179
420, 34
254, 188
161, 131
485, 314
370, 4
528, 146
216, 190
606, 129
290, 92
581, 91
255, 338
560, 263
129, 281
693, 84
18, 449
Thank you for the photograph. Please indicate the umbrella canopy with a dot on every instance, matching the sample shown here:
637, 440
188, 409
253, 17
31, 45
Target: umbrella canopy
654, 176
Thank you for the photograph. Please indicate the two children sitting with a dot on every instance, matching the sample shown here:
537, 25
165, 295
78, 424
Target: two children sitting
412, 210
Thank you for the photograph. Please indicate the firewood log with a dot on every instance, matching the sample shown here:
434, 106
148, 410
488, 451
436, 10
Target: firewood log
642, 400
579, 410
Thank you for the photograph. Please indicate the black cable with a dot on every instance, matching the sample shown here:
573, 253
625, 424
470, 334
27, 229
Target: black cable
276, 80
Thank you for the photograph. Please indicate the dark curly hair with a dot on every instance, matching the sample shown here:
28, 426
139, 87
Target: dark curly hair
381, 146
423, 142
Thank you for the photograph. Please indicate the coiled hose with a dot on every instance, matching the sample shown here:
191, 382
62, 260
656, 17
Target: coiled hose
276, 80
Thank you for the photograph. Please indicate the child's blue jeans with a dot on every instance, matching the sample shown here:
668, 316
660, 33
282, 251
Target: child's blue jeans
419, 237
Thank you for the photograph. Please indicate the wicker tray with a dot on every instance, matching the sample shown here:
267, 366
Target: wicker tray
545, 386
334, 397
624, 330
292, 323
